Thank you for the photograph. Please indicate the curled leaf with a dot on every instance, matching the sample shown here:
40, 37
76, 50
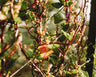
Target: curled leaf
45, 51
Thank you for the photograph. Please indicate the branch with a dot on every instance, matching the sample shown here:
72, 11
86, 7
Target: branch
27, 58
2, 35
6, 48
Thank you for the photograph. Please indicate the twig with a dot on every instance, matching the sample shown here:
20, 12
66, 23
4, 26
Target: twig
3, 66
72, 40
60, 51
83, 30
20, 69
2, 36
16, 30
11, 7
30, 33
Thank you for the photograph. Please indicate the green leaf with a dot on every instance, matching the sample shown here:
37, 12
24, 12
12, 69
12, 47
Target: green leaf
69, 3
74, 58
74, 72
30, 54
67, 35
53, 60
61, 38
65, 26
39, 57
57, 5
17, 19
24, 5
61, 1
70, 73
23, 16
83, 73
81, 13
52, 76
54, 46
58, 18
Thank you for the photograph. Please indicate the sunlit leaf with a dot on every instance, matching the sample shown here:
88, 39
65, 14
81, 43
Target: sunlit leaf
2, 16
18, 20
6, 9
83, 73
54, 46
51, 76
81, 13
67, 35
71, 73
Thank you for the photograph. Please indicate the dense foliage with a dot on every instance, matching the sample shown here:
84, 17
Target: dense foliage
52, 37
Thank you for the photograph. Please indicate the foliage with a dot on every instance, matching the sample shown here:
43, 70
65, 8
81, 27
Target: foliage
61, 53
